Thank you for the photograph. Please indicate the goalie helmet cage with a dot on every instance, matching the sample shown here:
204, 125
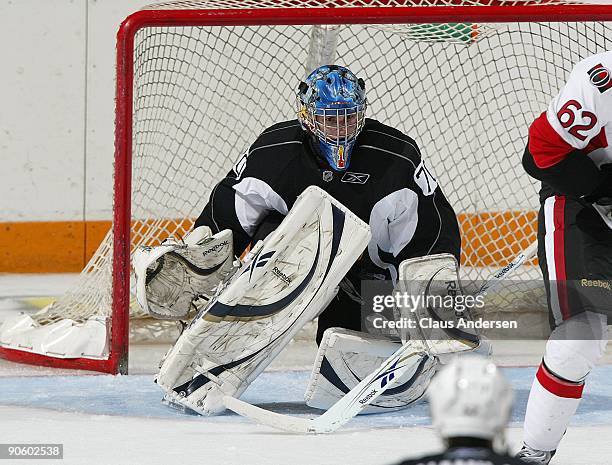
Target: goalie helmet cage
197, 81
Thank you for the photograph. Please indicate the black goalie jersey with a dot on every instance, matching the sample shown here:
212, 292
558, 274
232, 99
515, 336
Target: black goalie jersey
387, 185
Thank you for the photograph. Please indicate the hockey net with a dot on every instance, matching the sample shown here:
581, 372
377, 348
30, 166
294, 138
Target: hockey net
197, 81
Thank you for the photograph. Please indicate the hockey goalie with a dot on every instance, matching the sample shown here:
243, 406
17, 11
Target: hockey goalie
312, 231
286, 280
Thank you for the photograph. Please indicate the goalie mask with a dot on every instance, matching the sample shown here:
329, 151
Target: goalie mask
331, 107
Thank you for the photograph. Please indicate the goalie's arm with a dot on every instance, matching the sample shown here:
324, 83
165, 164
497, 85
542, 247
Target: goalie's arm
241, 207
256, 186
408, 224
220, 213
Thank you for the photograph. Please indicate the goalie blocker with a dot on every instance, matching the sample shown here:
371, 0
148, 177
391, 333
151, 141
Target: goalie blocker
286, 281
431, 276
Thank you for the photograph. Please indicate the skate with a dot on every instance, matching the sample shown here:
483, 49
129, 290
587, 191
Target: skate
533, 456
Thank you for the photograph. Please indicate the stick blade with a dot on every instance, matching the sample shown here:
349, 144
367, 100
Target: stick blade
265, 417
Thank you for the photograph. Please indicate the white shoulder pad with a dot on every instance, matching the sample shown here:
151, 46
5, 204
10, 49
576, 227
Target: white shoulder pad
345, 357
286, 281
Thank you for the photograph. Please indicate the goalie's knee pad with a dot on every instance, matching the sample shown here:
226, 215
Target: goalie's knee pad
173, 279
286, 281
346, 357
576, 345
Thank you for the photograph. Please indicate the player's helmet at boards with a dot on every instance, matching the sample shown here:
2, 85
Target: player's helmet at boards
331, 106
470, 397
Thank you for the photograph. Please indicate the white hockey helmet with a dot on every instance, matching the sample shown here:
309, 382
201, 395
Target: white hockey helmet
470, 397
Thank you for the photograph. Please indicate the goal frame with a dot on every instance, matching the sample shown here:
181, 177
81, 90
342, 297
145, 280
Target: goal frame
117, 361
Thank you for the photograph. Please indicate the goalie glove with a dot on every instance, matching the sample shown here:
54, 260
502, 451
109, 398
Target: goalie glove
173, 278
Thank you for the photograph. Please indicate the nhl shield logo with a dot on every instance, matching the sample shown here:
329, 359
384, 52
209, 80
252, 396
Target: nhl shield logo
328, 175
600, 77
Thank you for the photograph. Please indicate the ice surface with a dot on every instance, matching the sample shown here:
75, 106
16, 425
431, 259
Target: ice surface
105, 419
119, 420
280, 391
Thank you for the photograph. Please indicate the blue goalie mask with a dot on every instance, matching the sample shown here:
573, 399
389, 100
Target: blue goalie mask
331, 106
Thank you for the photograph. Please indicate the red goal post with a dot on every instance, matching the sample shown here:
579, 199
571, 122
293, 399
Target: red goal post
412, 29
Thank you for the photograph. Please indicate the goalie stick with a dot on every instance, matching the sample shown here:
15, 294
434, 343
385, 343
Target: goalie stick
369, 389
508, 269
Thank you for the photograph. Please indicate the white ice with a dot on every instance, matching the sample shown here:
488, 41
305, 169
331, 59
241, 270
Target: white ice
118, 420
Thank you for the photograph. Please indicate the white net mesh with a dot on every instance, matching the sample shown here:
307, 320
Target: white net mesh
467, 93
251, 4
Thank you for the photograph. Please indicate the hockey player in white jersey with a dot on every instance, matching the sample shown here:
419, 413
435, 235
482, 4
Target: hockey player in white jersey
319, 203
569, 151
470, 403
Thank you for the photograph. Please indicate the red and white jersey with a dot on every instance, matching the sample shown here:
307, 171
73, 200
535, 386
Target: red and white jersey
579, 117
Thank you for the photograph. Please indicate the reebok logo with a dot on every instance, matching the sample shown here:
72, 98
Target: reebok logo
452, 288
355, 178
389, 375
368, 397
214, 248
258, 261
503, 271
282, 276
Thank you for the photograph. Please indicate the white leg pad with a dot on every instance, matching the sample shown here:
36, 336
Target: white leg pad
345, 357
287, 280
